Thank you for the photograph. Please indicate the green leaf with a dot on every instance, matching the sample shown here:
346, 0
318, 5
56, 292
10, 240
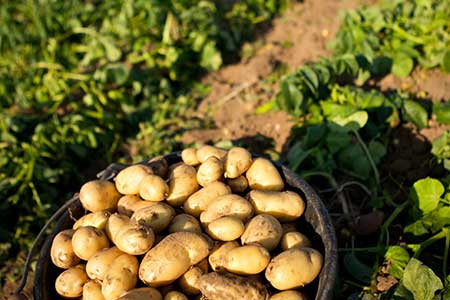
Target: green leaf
266, 107
211, 58
442, 112
427, 193
296, 156
337, 140
441, 149
420, 280
398, 258
356, 268
292, 98
377, 151
446, 62
415, 113
354, 121
417, 228
311, 79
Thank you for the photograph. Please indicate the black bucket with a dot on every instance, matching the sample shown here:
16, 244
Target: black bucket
315, 223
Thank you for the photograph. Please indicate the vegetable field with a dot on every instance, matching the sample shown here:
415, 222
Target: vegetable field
352, 95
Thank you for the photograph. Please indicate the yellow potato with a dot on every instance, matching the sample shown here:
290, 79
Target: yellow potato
262, 175
285, 206
61, 252
294, 239
175, 295
218, 255
237, 161
120, 277
227, 205
128, 204
206, 151
199, 201
157, 217
153, 188
247, 260
128, 180
289, 295
135, 239
144, 293
189, 156
182, 184
226, 228
197, 245
264, 230
98, 195
159, 166
238, 184
209, 171
294, 268
86, 241
114, 224
97, 219
189, 281
184, 222
99, 263
92, 290
70, 282
215, 286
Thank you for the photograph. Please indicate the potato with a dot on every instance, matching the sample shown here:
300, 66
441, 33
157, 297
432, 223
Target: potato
289, 295
92, 290
61, 252
219, 254
294, 268
98, 195
114, 224
86, 241
172, 257
203, 265
189, 281
264, 230
98, 264
189, 156
70, 282
128, 180
238, 184
175, 295
247, 260
159, 166
135, 239
184, 222
226, 228
262, 175
182, 184
144, 293
237, 161
227, 205
128, 204
199, 201
97, 219
294, 239
285, 206
209, 171
153, 188
120, 277
157, 217
215, 286
206, 151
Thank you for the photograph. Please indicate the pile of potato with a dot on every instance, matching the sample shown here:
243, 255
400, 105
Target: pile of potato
218, 226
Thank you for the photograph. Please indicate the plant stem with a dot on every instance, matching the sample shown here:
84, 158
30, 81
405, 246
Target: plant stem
446, 249
440, 235
369, 157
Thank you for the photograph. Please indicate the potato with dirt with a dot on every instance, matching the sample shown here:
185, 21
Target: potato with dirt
206, 151
262, 175
215, 286
237, 162
247, 260
157, 217
209, 171
61, 251
294, 268
227, 205
218, 255
120, 277
97, 219
285, 206
70, 282
99, 263
189, 281
263, 229
128, 180
153, 188
189, 156
135, 239
128, 204
86, 241
289, 295
199, 201
226, 228
238, 185
144, 293
184, 222
175, 295
98, 195
294, 239
114, 224
92, 290
182, 184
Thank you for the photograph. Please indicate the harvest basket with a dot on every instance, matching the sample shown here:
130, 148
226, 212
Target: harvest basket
315, 223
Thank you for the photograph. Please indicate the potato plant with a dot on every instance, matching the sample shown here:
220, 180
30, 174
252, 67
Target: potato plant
234, 245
